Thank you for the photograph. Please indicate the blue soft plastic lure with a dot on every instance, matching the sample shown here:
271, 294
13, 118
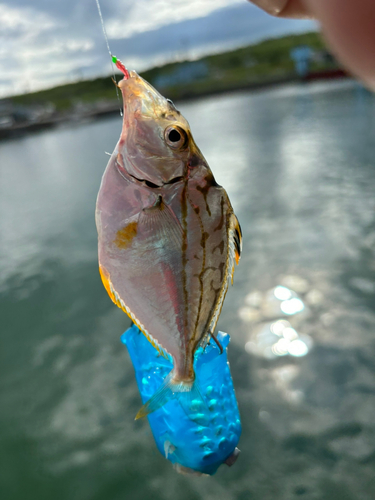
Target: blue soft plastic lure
201, 440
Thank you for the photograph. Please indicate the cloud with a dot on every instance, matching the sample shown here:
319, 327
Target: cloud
221, 30
146, 15
57, 49
23, 21
54, 42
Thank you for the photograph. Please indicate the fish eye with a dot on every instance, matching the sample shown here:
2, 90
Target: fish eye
175, 137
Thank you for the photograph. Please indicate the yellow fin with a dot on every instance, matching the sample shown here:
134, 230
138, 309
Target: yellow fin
115, 297
237, 237
235, 244
104, 274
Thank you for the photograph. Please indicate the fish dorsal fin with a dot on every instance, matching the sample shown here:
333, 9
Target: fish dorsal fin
115, 297
160, 221
234, 254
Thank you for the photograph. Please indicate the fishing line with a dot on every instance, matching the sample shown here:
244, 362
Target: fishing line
109, 51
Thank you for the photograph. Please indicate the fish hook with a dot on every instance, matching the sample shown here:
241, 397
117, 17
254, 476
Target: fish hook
114, 81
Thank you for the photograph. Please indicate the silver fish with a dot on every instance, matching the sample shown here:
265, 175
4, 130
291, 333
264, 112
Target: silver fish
168, 236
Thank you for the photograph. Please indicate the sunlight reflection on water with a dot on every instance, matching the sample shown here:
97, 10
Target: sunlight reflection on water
278, 338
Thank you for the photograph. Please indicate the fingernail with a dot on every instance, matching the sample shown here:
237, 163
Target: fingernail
273, 7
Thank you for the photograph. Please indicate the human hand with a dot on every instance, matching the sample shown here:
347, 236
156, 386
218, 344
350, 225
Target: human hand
348, 26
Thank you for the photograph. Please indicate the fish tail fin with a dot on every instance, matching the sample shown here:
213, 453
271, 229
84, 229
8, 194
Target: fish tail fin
187, 393
163, 394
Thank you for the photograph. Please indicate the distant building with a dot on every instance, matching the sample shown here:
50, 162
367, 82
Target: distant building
324, 57
183, 73
6, 113
302, 56
12, 114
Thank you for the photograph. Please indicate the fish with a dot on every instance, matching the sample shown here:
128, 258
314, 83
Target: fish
168, 238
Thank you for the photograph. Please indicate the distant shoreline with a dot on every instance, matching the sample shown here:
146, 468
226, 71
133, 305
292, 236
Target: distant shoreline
113, 108
273, 62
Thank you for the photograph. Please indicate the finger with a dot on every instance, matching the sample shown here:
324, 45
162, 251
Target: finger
349, 27
284, 8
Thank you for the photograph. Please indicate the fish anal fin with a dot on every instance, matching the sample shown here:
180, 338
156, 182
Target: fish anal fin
156, 345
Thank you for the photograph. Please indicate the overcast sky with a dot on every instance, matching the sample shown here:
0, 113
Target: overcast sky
48, 42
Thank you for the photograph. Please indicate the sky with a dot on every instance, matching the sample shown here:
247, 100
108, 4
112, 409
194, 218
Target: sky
44, 43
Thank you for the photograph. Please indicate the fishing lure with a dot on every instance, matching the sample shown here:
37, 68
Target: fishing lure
200, 441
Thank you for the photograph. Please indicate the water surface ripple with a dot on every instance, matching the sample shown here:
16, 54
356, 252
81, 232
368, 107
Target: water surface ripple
298, 163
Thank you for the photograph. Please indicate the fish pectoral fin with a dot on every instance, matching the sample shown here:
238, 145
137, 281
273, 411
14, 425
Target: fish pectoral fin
160, 221
188, 395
